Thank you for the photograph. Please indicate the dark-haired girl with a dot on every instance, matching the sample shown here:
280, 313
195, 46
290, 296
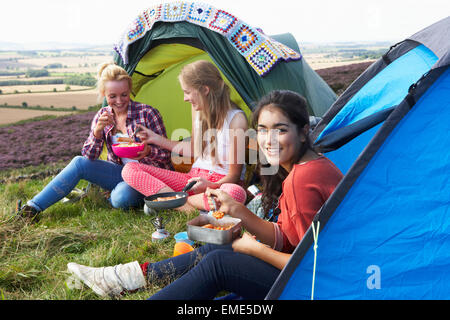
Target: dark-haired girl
247, 267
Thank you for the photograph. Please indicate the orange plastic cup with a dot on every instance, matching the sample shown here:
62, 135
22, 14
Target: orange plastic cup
181, 248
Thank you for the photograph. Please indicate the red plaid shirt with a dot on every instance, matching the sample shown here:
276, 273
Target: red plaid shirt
137, 114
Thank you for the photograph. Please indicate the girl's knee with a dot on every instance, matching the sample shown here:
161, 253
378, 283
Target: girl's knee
216, 261
235, 191
125, 197
129, 169
79, 160
80, 163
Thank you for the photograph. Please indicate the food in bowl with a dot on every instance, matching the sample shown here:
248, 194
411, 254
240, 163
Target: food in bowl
124, 139
128, 144
211, 226
167, 198
199, 230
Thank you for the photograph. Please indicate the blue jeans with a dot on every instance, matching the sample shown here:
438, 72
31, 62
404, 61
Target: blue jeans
105, 174
203, 273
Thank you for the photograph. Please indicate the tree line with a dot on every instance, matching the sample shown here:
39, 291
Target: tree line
79, 80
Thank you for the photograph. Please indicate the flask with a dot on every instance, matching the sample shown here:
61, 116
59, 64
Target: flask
160, 233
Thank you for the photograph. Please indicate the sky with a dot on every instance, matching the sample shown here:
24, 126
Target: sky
100, 22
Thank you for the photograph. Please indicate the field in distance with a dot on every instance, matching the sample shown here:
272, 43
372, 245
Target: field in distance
82, 100
48, 79
61, 61
328, 55
20, 86
13, 115
40, 88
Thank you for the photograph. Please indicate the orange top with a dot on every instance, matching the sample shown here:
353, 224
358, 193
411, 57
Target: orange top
305, 190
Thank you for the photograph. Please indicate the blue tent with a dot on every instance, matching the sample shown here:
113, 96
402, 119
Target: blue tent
384, 233
356, 116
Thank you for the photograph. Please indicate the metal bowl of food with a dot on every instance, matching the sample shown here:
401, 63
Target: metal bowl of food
169, 200
206, 228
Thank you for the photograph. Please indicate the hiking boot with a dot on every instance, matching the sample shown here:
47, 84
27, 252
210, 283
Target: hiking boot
110, 281
27, 212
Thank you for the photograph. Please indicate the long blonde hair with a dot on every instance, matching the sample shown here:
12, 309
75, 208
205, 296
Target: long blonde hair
109, 71
216, 103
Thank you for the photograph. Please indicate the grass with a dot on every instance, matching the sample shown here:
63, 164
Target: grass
33, 257
16, 174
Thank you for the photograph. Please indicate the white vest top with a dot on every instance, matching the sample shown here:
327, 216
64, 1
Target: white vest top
222, 151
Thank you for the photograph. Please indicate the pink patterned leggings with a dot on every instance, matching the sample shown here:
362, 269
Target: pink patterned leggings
149, 180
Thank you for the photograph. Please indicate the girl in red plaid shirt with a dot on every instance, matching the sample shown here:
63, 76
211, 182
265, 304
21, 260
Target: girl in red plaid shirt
119, 118
218, 162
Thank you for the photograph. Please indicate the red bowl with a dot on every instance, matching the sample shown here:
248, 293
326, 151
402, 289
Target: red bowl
125, 151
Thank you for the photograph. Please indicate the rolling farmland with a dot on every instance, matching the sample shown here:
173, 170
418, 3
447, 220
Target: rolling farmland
60, 65
20, 87
39, 88
14, 115
80, 99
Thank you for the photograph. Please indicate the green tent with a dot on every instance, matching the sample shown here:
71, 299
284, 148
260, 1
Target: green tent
168, 36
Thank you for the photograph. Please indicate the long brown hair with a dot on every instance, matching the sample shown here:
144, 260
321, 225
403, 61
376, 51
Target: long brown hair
294, 107
216, 103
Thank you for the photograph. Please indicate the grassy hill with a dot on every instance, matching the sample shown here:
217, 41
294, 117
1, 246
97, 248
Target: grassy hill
33, 257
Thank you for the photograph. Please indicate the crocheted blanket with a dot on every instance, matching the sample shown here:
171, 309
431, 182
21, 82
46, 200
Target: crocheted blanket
259, 50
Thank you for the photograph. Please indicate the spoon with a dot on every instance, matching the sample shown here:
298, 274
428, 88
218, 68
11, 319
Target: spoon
210, 213
135, 131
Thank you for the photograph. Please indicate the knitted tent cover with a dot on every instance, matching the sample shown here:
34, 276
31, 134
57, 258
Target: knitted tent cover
259, 50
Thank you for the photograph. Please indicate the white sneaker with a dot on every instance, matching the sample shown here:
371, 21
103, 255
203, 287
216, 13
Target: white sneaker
109, 281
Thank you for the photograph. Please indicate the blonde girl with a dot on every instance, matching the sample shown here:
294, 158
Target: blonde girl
118, 119
217, 125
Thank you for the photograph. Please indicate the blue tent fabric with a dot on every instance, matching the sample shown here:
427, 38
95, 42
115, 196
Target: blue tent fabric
384, 232
394, 218
385, 90
345, 156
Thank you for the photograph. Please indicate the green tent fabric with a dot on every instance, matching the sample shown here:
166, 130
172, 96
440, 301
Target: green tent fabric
164, 92
247, 86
